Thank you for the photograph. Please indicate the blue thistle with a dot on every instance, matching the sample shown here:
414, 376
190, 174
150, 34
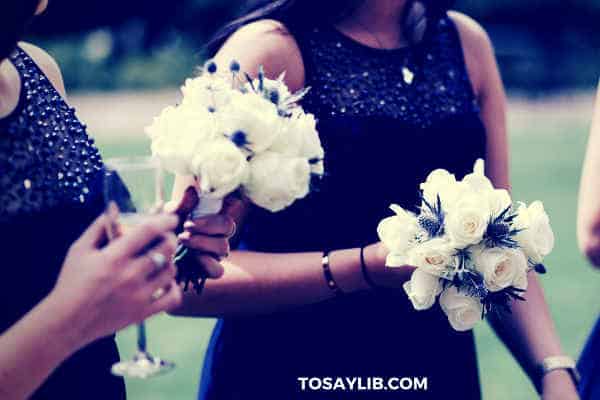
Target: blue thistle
500, 232
234, 67
240, 139
432, 218
211, 67
274, 96
471, 283
499, 302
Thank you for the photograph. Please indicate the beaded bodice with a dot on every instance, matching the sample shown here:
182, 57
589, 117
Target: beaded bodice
50, 191
46, 157
419, 85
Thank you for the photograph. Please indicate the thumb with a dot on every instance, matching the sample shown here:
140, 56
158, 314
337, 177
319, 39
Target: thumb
189, 201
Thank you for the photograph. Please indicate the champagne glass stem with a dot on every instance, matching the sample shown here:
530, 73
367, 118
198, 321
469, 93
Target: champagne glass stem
141, 337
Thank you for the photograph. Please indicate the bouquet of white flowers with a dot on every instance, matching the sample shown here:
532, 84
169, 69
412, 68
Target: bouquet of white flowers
238, 134
472, 247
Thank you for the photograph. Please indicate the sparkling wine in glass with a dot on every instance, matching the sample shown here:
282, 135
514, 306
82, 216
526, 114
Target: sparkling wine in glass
136, 186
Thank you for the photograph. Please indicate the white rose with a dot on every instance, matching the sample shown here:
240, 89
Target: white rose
177, 133
435, 256
251, 122
498, 200
207, 92
398, 234
467, 220
443, 184
462, 311
422, 289
299, 138
221, 167
276, 181
500, 267
521, 280
536, 237
477, 181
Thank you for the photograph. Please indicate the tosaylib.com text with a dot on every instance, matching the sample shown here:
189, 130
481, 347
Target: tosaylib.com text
363, 384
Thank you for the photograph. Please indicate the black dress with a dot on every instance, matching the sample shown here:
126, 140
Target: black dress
383, 132
50, 191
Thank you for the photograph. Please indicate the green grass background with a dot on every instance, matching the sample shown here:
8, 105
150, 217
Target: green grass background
546, 160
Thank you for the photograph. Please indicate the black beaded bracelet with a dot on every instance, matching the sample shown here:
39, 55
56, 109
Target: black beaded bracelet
365, 271
331, 283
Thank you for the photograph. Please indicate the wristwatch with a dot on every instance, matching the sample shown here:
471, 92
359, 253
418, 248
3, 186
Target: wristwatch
554, 363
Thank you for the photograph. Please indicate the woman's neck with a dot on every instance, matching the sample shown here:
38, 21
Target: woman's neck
377, 21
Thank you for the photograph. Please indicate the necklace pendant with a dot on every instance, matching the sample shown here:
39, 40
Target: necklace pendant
407, 75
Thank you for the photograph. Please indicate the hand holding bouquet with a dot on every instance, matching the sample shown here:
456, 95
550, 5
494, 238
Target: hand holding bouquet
472, 247
238, 134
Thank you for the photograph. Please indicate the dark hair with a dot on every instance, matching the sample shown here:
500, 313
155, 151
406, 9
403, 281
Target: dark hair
15, 16
296, 14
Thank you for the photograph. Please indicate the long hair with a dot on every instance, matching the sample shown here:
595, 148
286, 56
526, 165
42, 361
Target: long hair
297, 14
15, 16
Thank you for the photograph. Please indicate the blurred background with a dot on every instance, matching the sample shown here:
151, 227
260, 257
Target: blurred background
124, 60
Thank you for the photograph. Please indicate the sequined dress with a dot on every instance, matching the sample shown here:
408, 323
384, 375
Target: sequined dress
50, 191
386, 118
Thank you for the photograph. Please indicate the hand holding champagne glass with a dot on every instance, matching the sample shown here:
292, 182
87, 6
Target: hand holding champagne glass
134, 192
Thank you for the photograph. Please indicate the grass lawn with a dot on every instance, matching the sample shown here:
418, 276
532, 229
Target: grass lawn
546, 162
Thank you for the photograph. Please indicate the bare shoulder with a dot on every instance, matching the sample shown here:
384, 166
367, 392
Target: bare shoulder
477, 47
268, 43
48, 65
472, 34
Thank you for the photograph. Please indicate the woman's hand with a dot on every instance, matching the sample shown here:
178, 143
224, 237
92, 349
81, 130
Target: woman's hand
104, 289
208, 238
558, 385
375, 258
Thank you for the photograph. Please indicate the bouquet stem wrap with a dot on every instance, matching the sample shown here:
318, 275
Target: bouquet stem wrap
207, 206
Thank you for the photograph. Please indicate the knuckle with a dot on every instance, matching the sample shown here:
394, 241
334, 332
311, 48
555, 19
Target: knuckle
226, 223
229, 224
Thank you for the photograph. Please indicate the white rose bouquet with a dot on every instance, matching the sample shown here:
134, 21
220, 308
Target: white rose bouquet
472, 247
238, 134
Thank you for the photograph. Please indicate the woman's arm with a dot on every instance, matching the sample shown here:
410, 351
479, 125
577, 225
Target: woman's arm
588, 217
529, 331
99, 291
257, 282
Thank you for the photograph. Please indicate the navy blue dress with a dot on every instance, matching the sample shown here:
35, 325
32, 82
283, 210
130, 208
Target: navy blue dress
50, 191
383, 133
589, 367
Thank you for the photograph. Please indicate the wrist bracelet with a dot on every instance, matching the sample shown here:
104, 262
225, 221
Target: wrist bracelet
554, 363
331, 283
365, 271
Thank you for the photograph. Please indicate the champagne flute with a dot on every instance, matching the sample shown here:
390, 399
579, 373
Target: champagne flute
135, 185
